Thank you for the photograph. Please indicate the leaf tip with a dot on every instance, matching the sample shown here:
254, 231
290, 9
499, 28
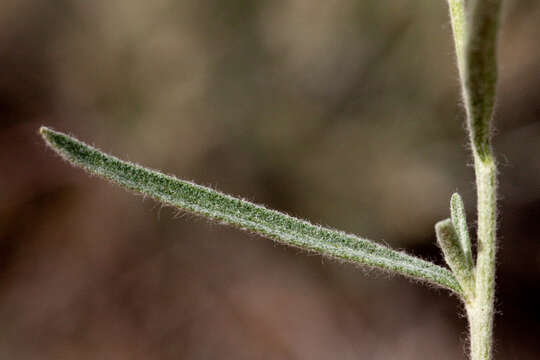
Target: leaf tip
59, 142
47, 134
457, 211
54, 139
456, 199
44, 131
444, 226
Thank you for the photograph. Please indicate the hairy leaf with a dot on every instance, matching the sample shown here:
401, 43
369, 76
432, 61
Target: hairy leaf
245, 215
459, 220
449, 242
457, 14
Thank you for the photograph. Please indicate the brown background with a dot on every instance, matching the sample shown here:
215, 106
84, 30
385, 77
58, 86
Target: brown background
343, 112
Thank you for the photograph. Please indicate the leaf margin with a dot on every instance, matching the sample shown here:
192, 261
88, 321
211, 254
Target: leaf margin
246, 215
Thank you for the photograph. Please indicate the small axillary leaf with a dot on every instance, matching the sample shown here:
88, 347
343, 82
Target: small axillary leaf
453, 238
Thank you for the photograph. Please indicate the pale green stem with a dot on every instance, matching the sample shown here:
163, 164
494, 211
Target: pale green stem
480, 310
475, 24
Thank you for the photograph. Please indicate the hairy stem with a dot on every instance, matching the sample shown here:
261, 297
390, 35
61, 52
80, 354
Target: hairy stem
480, 310
475, 24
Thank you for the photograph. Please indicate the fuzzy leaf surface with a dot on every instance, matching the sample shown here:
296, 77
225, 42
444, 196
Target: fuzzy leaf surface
459, 220
449, 241
245, 215
480, 71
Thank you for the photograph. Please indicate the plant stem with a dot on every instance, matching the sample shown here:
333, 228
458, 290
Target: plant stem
480, 309
475, 25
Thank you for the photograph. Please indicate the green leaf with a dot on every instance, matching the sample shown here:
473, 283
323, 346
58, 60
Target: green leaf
245, 215
459, 220
475, 24
457, 15
449, 242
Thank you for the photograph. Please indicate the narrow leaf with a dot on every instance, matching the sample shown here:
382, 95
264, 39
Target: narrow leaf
459, 220
448, 240
457, 15
245, 215
480, 71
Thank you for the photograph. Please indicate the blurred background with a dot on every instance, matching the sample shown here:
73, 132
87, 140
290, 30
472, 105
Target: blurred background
343, 112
